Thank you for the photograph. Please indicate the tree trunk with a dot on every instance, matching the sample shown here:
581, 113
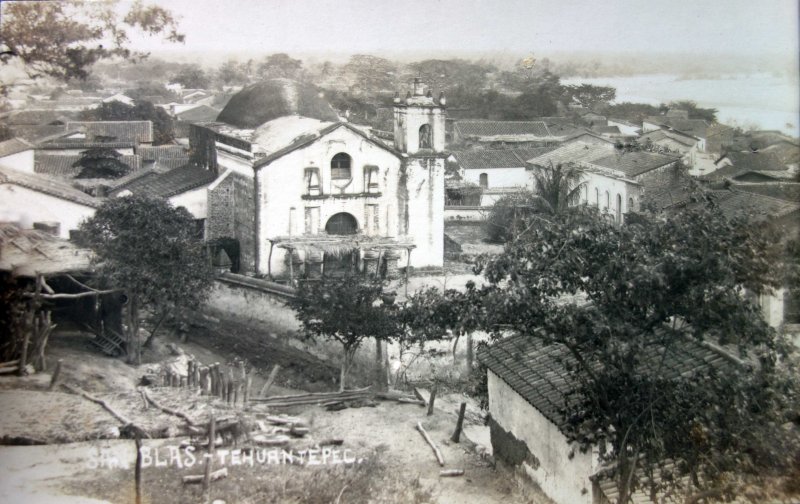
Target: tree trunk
134, 347
380, 372
470, 356
149, 341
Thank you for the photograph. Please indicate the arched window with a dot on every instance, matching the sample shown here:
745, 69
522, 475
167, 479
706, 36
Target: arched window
425, 136
341, 224
619, 209
630, 205
483, 180
597, 197
608, 201
340, 166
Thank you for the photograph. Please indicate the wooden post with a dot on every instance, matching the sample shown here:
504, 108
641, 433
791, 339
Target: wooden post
182, 381
470, 358
459, 424
242, 370
190, 373
380, 374
432, 399
197, 382
247, 385
54, 378
439, 457
137, 475
212, 436
270, 381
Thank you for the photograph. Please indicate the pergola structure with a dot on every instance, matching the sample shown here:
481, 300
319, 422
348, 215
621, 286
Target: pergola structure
338, 246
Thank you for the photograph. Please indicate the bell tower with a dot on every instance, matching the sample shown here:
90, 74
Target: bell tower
419, 135
419, 122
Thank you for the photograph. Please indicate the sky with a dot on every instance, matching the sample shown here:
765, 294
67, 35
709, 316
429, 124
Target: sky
747, 27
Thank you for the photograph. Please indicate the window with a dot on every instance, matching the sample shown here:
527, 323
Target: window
483, 180
586, 194
597, 197
340, 167
619, 209
630, 205
311, 177
608, 201
370, 178
425, 136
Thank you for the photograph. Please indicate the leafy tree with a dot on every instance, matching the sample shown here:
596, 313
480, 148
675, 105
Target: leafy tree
232, 72
557, 187
64, 39
192, 77
633, 112
280, 65
344, 310
652, 288
101, 162
509, 215
589, 96
467, 76
150, 249
370, 74
695, 112
163, 132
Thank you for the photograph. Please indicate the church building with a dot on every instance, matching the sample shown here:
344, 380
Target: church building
304, 192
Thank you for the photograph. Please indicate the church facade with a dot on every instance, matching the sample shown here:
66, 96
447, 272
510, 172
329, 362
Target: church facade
327, 194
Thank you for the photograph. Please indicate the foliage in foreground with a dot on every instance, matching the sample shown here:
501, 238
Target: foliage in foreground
150, 249
621, 301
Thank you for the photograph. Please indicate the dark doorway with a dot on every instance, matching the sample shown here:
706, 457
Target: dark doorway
342, 224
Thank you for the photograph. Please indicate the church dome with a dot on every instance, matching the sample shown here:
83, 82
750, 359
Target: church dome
267, 100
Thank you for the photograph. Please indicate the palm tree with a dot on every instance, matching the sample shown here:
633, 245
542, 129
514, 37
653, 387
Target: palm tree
557, 187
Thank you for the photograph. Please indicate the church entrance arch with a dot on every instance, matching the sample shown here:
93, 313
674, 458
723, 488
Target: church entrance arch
341, 224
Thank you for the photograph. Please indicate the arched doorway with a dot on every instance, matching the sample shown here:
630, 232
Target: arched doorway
342, 224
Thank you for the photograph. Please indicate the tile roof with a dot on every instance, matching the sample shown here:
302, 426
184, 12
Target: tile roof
167, 164
169, 184
538, 372
27, 252
657, 135
61, 166
152, 153
574, 152
607, 130
757, 161
201, 113
46, 185
634, 163
696, 127
788, 192
497, 158
502, 128
38, 133
733, 202
81, 143
14, 146
624, 122
37, 117
122, 131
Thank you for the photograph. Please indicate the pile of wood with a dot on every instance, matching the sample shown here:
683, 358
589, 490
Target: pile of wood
232, 384
337, 400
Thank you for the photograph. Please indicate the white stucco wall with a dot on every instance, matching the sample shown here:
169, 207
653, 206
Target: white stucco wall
26, 206
195, 201
499, 177
21, 161
624, 128
284, 211
564, 480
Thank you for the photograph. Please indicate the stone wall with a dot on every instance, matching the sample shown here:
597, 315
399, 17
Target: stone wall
231, 214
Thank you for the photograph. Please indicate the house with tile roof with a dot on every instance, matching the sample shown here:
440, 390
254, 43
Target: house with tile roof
626, 127
498, 134
529, 389
29, 198
136, 132
496, 171
17, 153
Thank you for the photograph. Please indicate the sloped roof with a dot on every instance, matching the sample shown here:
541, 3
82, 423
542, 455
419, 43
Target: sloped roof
696, 127
200, 113
82, 143
497, 158
538, 372
502, 128
575, 152
606, 130
733, 202
278, 133
152, 153
38, 133
46, 185
655, 136
788, 192
171, 183
634, 163
756, 161
14, 146
61, 166
27, 252
264, 101
121, 131
37, 117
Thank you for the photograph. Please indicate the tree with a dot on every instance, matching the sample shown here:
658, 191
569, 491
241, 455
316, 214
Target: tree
652, 288
343, 310
370, 74
163, 132
150, 249
695, 112
589, 96
101, 162
633, 112
64, 39
280, 65
467, 76
232, 72
192, 77
557, 187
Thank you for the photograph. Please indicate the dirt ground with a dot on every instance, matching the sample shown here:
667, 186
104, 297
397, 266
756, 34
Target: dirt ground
395, 463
